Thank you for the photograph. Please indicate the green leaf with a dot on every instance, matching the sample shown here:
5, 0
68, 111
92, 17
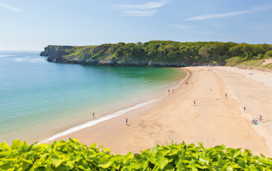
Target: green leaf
201, 145
161, 161
106, 164
229, 169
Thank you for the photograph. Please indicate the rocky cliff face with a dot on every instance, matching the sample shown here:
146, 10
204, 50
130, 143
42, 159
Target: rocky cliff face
56, 53
98, 55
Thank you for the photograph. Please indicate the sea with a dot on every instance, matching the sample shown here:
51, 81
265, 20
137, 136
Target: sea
40, 99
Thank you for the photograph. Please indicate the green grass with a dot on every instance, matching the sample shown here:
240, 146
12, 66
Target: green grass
251, 63
233, 61
238, 61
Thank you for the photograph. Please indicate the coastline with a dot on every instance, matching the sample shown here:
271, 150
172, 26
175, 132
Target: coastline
176, 119
144, 104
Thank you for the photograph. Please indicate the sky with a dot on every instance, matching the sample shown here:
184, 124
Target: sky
34, 24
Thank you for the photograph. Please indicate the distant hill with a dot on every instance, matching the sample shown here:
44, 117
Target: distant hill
163, 53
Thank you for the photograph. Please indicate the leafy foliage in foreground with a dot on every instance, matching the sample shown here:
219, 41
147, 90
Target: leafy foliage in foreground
72, 155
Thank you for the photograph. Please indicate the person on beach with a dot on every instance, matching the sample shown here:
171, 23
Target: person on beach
127, 121
226, 95
194, 102
93, 115
261, 118
168, 91
173, 90
244, 108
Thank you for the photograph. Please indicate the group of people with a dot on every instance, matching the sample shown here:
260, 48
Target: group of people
173, 90
257, 122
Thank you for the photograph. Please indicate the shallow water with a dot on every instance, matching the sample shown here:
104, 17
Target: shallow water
39, 99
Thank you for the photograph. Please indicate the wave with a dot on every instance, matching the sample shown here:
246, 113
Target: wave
29, 59
4, 56
108, 117
94, 122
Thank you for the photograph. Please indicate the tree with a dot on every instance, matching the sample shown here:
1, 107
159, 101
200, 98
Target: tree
268, 54
204, 51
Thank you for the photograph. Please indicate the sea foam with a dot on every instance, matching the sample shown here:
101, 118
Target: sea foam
94, 122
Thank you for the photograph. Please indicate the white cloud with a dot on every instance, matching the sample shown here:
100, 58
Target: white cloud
228, 14
145, 9
148, 5
139, 13
10, 8
211, 16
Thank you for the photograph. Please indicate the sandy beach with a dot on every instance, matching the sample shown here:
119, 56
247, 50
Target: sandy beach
214, 119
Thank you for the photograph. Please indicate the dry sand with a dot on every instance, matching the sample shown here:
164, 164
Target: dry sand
215, 119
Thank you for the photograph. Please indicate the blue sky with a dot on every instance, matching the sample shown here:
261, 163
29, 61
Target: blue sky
34, 24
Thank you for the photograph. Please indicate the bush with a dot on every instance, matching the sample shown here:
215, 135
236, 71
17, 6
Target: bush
73, 155
268, 54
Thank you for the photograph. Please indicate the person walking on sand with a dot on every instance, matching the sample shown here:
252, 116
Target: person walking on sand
194, 102
127, 121
261, 118
226, 95
244, 108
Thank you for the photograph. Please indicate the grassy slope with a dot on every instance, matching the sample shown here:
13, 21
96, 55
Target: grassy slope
259, 63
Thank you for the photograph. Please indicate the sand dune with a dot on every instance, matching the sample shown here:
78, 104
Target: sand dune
215, 119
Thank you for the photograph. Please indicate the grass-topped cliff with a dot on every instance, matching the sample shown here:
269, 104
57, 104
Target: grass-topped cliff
164, 53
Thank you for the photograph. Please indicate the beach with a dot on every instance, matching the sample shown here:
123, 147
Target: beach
217, 116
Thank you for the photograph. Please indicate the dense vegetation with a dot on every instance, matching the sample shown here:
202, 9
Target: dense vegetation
164, 52
72, 155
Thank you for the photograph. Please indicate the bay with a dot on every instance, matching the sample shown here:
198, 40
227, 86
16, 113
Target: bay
39, 99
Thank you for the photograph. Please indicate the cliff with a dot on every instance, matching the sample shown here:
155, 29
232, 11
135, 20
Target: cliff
157, 53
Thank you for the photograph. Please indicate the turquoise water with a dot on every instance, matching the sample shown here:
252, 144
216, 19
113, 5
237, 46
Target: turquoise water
39, 99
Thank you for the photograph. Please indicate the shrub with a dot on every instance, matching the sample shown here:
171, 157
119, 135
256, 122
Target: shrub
72, 155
